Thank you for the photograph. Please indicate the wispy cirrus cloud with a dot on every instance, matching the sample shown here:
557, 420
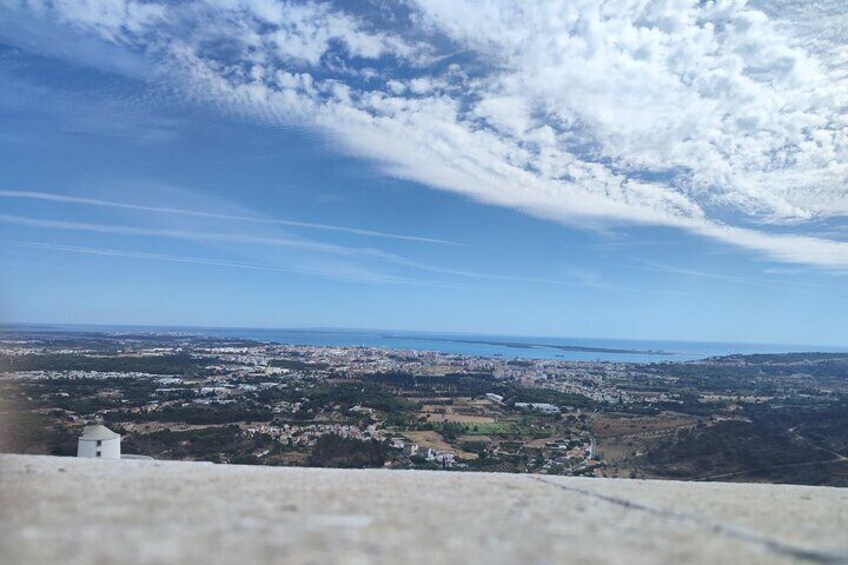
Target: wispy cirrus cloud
725, 119
52, 197
359, 253
358, 274
808, 288
203, 236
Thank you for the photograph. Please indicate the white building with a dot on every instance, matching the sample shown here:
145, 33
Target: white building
537, 407
410, 449
99, 442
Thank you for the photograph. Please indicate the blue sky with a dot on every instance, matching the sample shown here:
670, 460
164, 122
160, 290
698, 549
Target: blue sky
668, 170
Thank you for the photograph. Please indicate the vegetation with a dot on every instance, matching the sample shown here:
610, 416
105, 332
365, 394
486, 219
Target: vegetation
776, 418
335, 451
224, 444
176, 364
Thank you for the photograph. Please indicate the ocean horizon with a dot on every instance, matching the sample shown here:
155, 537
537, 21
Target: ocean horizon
456, 343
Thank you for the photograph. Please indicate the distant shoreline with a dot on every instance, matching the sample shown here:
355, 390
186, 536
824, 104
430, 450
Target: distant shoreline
479, 345
523, 345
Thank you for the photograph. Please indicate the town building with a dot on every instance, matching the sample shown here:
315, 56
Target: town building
538, 407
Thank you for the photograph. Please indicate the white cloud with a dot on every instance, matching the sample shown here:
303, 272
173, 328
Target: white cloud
51, 197
310, 247
714, 117
109, 18
198, 236
806, 288
346, 272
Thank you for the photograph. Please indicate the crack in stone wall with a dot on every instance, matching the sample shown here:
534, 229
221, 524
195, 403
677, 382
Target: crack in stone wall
768, 543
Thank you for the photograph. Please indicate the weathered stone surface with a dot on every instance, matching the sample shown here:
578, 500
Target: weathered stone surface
66, 510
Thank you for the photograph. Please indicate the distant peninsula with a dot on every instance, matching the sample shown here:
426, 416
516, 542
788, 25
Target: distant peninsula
525, 345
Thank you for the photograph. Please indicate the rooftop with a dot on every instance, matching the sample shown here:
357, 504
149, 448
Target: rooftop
69, 510
98, 432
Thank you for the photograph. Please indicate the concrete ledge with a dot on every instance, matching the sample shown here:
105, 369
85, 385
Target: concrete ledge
67, 510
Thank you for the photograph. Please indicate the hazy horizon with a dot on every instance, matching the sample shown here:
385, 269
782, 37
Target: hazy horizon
16, 325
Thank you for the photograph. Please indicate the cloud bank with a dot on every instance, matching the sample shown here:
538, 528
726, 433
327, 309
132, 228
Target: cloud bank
724, 118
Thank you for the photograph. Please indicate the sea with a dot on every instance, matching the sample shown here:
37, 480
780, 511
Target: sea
479, 345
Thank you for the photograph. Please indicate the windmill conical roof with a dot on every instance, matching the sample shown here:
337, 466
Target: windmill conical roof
98, 432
